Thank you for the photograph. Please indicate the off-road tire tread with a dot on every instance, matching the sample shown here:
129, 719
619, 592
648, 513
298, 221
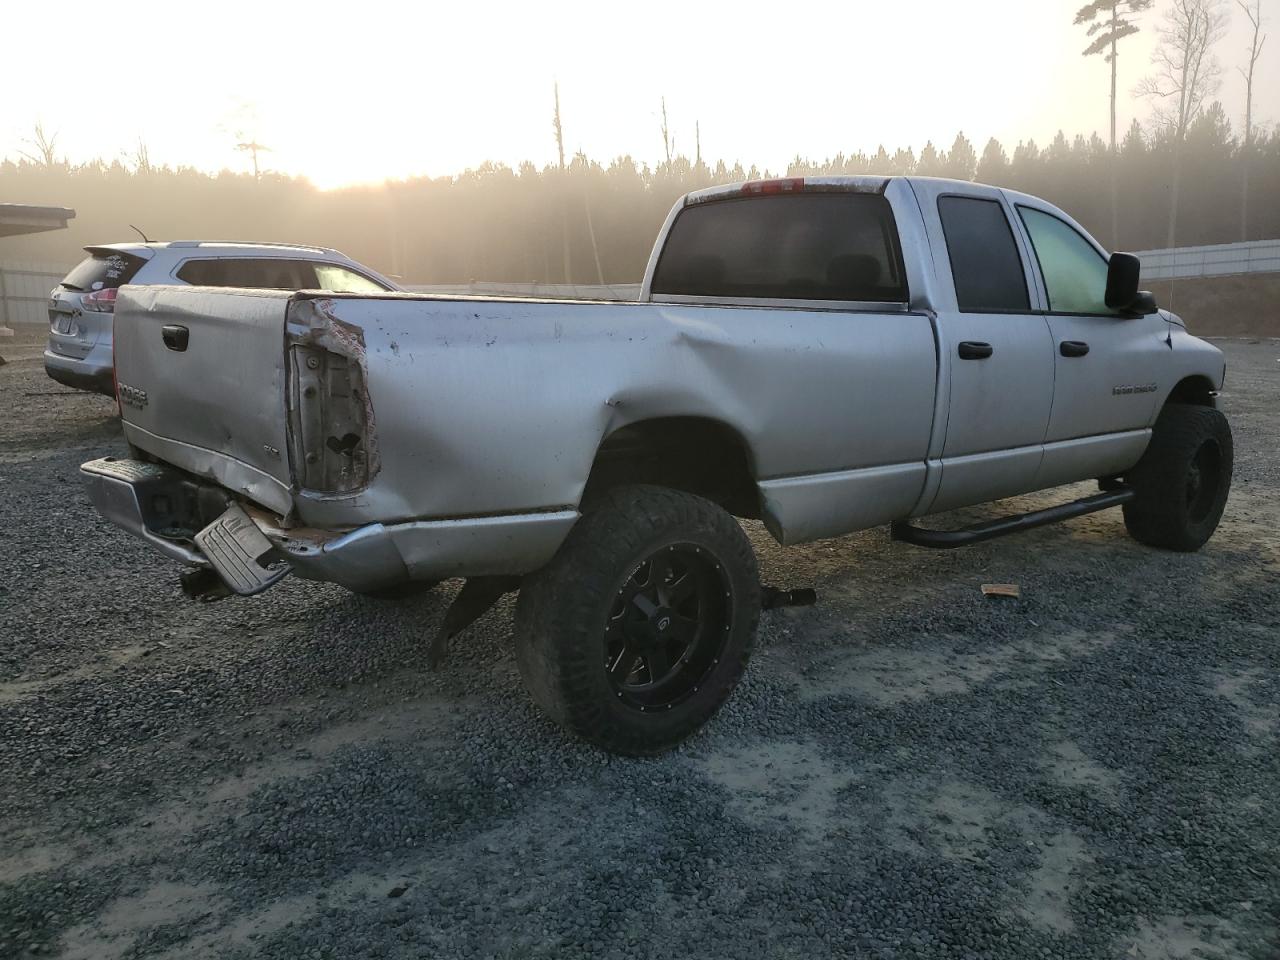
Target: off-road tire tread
558, 613
1158, 516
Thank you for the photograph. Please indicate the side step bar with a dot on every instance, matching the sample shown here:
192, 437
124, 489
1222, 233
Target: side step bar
1002, 527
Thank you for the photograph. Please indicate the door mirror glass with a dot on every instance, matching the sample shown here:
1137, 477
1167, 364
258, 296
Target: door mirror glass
1122, 280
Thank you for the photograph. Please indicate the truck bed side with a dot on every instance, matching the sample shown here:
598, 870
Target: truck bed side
498, 407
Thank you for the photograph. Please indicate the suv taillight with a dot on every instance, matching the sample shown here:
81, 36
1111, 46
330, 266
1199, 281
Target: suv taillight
99, 301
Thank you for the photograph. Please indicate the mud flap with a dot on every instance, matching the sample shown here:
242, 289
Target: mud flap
241, 554
475, 598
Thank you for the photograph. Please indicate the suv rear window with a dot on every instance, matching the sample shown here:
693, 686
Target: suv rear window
266, 273
103, 269
806, 246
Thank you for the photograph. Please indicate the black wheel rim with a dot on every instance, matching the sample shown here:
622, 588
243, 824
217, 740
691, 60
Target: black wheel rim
667, 627
1203, 478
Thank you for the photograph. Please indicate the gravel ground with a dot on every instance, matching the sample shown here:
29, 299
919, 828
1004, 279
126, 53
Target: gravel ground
909, 769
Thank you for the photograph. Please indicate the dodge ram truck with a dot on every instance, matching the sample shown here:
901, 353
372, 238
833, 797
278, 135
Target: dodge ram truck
821, 354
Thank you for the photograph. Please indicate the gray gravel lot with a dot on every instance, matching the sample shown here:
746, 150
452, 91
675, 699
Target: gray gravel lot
909, 770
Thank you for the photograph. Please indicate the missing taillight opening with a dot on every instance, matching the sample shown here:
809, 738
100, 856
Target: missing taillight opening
329, 420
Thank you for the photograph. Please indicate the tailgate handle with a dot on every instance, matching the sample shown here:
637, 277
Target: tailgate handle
175, 336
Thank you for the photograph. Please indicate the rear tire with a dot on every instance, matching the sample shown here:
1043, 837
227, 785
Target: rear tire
640, 627
1182, 480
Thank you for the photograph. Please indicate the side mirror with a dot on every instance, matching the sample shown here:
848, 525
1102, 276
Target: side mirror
1122, 280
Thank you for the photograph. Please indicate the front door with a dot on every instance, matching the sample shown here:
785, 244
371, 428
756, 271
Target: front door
1106, 365
995, 352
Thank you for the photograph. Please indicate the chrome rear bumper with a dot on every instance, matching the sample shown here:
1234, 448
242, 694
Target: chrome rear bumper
138, 497
119, 489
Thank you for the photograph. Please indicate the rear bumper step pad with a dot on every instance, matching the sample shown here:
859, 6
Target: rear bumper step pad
236, 548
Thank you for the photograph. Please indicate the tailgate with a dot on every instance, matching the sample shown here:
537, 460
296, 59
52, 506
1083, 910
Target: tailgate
202, 381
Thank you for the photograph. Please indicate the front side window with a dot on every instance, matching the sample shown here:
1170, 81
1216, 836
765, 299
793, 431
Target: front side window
985, 264
804, 246
341, 280
1075, 273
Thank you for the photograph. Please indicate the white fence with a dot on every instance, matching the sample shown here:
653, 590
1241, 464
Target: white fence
1216, 260
24, 291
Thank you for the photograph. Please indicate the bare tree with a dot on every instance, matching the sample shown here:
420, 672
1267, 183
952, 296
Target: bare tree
252, 147
243, 123
564, 216
667, 142
43, 148
581, 159
140, 157
1186, 75
1110, 21
1254, 13
555, 125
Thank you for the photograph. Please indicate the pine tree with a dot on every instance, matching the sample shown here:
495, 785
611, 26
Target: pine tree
1110, 21
993, 168
962, 160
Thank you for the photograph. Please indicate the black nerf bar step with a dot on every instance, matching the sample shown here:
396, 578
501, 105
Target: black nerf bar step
1003, 526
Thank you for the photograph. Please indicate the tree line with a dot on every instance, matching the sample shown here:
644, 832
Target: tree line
587, 222
1185, 178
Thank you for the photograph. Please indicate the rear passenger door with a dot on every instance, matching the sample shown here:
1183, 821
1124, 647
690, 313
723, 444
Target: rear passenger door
995, 351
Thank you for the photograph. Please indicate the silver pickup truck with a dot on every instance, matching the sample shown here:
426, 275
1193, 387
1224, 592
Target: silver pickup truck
824, 355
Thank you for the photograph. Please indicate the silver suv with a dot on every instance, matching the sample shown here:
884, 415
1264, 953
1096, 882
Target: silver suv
82, 305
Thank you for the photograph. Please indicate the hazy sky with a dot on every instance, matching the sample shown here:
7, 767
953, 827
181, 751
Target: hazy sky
353, 92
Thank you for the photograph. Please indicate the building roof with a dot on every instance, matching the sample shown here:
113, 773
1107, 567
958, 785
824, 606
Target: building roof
19, 218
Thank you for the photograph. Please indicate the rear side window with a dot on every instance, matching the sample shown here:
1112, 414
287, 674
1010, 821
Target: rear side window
266, 273
808, 246
984, 258
104, 269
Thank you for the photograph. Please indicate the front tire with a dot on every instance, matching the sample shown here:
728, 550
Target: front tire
1182, 480
640, 627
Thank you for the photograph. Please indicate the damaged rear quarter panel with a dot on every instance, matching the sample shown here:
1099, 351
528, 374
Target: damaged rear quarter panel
499, 406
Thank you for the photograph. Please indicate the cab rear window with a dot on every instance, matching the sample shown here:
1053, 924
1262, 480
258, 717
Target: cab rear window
807, 246
102, 270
